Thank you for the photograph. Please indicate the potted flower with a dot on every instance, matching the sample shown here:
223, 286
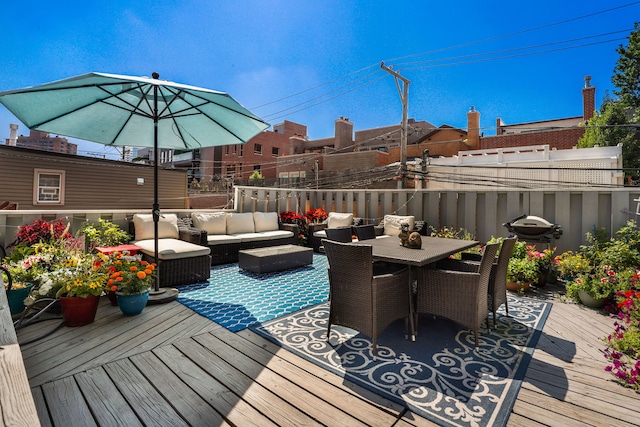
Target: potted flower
593, 289
570, 265
19, 278
130, 278
521, 273
290, 217
522, 269
316, 216
79, 281
543, 262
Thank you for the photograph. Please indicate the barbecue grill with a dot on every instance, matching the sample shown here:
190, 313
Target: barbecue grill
534, 229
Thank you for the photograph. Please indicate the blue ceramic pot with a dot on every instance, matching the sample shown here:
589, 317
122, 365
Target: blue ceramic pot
16, 299
132, 305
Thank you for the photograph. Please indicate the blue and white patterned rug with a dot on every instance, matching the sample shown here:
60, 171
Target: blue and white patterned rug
440, 376
237, 299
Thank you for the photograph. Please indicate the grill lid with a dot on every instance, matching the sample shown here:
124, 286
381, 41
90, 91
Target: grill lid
526, 226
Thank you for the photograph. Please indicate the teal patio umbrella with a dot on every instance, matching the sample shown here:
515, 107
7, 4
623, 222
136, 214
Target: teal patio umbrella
122, 110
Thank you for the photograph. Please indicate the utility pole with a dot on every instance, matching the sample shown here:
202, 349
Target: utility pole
404, 98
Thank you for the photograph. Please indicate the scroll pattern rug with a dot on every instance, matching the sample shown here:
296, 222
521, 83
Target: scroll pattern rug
237, 299
440, 376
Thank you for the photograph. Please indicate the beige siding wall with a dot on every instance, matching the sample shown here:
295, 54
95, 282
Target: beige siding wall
89, 183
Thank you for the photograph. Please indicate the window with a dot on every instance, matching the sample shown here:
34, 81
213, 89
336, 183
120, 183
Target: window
48, 187
257, 149
240, 150
226, 149
275, 151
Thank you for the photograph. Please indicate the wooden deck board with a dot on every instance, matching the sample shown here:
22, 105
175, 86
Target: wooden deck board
173, 367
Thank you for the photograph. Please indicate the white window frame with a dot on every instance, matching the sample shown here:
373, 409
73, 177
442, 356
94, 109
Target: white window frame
57, 192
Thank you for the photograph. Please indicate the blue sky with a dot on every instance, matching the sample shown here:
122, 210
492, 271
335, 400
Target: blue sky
313, 61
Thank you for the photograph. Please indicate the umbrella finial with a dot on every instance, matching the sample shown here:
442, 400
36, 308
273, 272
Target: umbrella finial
155, 75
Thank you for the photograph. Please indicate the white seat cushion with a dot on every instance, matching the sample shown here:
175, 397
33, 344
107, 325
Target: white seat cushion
211, 222
240, 223
265, 235
321, 234
392, 223
336, 220
265, 221
221, 239
167, 226
172, 248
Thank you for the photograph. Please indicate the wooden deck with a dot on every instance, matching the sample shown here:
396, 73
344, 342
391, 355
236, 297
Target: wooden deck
170, 367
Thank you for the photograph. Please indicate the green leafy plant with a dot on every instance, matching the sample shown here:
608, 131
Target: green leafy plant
521, 271
103, 233
571, 264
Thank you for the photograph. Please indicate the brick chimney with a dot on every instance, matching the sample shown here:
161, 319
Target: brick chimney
588, 99
296, 144
343, 134
473, 128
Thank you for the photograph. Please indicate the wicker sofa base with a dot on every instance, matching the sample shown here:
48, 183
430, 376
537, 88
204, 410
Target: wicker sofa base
182, 271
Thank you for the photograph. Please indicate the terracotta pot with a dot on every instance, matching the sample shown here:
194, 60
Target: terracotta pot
132, 305
513, 286
77, 311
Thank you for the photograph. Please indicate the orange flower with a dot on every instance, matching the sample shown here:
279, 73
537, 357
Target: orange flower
141, 275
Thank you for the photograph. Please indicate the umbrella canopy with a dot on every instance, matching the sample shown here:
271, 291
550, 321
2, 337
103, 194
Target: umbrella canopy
121, 110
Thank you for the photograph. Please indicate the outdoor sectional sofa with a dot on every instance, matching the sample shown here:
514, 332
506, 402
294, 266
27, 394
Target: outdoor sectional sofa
226, 233
182, 260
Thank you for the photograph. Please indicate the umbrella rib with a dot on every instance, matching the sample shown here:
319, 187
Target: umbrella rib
205, 101
136, 109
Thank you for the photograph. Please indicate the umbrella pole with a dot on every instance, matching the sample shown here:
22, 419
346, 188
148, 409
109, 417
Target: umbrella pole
157, 295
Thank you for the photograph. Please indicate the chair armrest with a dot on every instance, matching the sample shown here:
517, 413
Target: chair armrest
294, 228
379, 229
467, 256
193, 235
458, 265
316, 227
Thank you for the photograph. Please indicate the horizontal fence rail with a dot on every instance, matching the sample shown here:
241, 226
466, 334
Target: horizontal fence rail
480, 212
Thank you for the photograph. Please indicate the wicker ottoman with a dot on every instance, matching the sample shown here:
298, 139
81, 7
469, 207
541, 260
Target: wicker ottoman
274, 258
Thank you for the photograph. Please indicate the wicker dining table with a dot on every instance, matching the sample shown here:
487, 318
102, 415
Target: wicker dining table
433, 249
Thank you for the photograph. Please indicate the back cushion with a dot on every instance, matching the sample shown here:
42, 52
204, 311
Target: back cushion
335, 220
211, 222
265, 221
167, 226
392, 223
240, 223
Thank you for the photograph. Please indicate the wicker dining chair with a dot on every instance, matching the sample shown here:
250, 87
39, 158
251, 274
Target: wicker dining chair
365, 232
339, 234
498, 282
460, 296
361, 300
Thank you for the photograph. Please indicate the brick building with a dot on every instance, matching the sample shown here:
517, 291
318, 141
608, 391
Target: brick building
42, 141
557, 133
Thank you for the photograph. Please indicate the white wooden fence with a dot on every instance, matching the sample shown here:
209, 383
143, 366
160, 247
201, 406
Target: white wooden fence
480, 212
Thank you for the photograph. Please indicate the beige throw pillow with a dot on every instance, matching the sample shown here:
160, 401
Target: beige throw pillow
265, 221
392, 223
211, 222
167, 226
335, 220
240, 223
